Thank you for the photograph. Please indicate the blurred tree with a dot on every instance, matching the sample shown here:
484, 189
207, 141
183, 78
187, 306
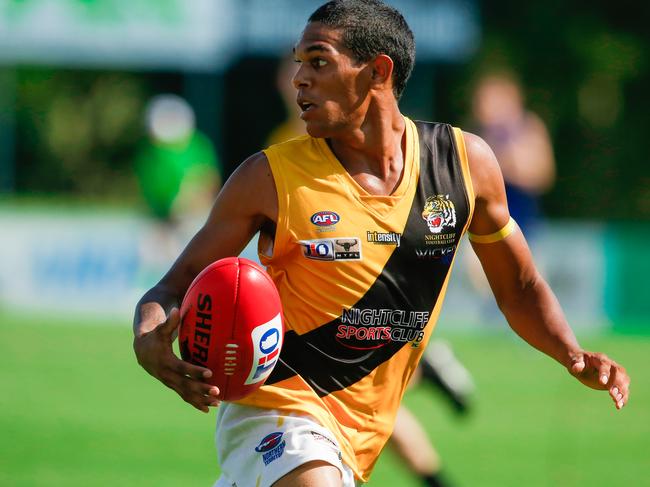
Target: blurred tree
585, 68
77, 130
586, 71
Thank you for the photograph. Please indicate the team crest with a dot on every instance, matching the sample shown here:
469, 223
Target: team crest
439, 212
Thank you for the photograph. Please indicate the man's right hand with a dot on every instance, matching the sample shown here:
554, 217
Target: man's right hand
154, 352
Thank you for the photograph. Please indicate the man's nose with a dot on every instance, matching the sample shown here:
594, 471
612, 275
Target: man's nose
299, 79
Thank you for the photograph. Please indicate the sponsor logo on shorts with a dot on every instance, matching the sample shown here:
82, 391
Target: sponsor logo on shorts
271, 447
268, 342
384, 238
331, 249
269, 442
324, 439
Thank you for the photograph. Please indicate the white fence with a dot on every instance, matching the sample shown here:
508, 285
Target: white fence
101, 263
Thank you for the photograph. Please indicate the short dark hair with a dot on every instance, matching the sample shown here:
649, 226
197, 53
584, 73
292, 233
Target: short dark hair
370, 28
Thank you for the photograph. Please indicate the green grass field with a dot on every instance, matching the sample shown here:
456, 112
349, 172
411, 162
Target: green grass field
76, 410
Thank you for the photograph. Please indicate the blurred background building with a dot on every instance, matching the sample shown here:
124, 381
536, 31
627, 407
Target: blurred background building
119, 119
76, 77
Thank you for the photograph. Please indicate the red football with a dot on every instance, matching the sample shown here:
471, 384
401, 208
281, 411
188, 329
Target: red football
232, 323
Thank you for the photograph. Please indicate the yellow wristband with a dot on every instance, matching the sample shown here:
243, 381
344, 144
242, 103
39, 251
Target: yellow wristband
496, 236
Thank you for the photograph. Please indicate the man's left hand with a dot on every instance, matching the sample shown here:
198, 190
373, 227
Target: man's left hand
600, 372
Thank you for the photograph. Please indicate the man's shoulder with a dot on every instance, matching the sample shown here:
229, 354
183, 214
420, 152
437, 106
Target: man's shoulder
300, 151
255, 168
254, 160
251, 187
291, 144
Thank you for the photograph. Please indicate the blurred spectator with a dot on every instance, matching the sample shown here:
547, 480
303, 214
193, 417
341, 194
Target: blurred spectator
177, 167
522, 146
179, 176
521, 143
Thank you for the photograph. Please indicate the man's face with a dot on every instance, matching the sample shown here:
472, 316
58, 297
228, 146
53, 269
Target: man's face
332, 86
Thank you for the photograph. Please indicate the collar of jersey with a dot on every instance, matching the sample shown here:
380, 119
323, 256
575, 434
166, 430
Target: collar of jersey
409, 176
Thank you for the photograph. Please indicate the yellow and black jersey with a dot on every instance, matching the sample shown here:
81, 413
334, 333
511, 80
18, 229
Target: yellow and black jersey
361, 278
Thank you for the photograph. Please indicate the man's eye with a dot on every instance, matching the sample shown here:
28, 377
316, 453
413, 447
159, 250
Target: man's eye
319, 63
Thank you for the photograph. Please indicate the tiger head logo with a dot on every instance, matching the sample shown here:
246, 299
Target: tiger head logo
439, 212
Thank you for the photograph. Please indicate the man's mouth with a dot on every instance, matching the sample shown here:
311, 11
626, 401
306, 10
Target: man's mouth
306, 106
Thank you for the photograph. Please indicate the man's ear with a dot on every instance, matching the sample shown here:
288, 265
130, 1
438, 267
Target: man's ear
382, 71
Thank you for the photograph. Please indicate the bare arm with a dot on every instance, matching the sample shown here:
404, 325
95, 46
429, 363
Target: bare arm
246, 204
526, 300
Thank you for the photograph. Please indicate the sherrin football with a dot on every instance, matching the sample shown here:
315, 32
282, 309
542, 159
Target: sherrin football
232, 323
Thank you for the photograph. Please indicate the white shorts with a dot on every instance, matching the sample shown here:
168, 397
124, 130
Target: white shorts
257, 447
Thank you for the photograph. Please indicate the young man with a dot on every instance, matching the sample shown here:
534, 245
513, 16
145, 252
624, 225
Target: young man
438, 365
359, 224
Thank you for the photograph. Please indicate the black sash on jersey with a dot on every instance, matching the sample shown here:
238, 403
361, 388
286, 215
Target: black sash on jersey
411, 280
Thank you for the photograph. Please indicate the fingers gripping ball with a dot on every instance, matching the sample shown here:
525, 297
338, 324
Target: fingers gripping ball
232, 323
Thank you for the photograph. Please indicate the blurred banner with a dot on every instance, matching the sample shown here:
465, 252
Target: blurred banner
95, 263
201, 35
444, 29
144, 33
85, 262
571, 258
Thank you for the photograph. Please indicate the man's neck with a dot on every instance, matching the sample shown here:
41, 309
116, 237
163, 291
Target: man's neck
373, 153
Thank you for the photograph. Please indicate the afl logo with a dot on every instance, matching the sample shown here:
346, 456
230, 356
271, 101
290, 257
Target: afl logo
269, 442
325, 218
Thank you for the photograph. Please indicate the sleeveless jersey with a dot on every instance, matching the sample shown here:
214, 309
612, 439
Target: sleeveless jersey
361, 278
